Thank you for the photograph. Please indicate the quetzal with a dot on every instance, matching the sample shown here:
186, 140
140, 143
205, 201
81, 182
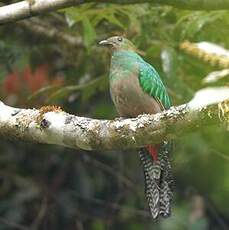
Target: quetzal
136, 88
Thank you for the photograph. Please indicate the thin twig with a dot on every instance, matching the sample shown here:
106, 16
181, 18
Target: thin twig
115, 206
51, 33
36, 223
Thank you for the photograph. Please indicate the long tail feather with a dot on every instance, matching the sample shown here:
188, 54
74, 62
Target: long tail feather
158, 180
166, 185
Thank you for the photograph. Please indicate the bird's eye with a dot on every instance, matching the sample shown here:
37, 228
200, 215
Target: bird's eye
119, 39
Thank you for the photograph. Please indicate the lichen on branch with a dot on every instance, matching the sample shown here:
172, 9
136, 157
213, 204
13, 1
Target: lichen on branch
224, 112
207, 52
51, 125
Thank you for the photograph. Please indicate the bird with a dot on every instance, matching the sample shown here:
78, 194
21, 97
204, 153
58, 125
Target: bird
136, 88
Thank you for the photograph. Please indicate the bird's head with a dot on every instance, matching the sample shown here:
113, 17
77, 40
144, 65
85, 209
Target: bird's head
117, 43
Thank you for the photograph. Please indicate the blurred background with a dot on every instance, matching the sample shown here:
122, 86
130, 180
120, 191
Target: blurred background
55, 59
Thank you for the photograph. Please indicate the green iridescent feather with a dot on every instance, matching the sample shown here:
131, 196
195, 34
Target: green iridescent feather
151, 83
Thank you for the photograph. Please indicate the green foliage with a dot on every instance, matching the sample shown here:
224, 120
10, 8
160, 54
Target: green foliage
48, 187
91, 16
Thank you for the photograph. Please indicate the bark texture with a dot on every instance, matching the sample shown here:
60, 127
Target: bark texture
29, 8
51, 125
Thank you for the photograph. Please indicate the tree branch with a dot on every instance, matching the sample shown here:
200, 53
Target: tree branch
50, 32
50, 125
29, 8
208, 52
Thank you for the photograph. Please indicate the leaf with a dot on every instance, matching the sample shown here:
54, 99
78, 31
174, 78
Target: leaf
192, 24
112, 19
70, 21
89, 32
216, 76
44, 90
76, 14
67, 90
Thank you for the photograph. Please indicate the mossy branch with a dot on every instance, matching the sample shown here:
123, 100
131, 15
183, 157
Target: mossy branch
207, 52
51, 125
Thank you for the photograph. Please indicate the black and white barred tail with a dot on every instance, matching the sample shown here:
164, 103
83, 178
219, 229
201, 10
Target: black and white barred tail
158, 180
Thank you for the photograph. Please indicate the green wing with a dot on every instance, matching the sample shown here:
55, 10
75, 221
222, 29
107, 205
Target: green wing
151, 83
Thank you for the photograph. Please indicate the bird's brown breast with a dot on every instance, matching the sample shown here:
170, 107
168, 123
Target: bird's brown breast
129, 98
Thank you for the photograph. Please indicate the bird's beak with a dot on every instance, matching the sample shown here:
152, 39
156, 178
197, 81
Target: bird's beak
105, 43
